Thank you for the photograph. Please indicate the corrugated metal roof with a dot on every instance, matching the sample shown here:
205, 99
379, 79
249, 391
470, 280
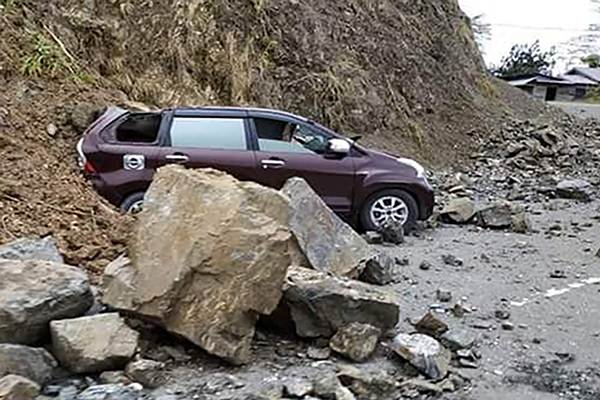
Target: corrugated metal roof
540, 79
579, 80
591, 73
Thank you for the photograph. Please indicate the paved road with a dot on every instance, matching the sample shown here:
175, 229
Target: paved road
554, 350
583, 110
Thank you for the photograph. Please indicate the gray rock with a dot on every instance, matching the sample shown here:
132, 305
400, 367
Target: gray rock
93, 344
329, 244
452, 260
320, 304
424, 353
443, 295
33, 363
378, 270
147, 372
319, 353
373, 237
111, 392
577, 189
329, 387
520, 223
425, 265
458, 339
356, 341
297, 388
392, 232
15, 387
35, 292
114, 377
496, 216
32, 249
367, 384
460, 210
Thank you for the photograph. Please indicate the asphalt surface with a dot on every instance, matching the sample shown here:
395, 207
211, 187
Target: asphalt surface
583, 110
546, 282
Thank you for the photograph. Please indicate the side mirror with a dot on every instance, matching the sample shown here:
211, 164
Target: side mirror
339, 146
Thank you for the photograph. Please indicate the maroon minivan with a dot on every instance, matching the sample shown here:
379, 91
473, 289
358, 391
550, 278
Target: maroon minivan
121, 150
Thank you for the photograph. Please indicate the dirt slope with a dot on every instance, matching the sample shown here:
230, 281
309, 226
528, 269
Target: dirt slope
405, 75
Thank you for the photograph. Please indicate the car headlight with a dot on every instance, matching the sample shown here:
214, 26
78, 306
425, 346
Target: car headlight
412, 163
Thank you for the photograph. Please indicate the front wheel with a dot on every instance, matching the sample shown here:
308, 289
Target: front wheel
392, 205
133, 204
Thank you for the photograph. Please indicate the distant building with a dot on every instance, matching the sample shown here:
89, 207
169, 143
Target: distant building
573, 85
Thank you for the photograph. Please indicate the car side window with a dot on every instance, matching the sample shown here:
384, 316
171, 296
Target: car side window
208, 133
288, 137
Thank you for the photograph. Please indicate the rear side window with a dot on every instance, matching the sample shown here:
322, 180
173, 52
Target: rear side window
208, 133
139, 128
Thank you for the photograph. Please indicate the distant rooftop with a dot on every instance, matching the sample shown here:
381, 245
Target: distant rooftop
590, 73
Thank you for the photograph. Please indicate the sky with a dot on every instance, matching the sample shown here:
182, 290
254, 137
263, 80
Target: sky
553, 22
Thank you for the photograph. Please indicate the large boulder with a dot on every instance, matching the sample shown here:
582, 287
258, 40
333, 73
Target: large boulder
356, 341
31, 249
93, 344
424, 353
33, 363
496, 216
208, 255
329, 244
320, 305
35, 292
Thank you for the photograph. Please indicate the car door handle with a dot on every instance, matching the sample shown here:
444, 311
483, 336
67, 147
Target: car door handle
274, 164
179, 158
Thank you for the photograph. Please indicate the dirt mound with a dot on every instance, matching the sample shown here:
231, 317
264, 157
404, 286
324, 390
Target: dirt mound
405, 75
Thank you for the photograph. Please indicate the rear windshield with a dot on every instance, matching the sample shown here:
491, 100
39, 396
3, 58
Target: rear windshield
139, 128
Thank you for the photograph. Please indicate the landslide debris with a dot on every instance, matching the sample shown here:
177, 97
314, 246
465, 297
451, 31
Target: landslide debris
405, 75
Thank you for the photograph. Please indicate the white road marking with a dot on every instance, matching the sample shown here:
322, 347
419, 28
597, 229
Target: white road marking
558, 292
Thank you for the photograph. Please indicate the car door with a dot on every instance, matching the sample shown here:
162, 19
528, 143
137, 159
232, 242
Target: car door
218, 140
279, 158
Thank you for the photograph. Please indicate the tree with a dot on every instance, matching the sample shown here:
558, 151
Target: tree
481, 29
526, 59
592, 61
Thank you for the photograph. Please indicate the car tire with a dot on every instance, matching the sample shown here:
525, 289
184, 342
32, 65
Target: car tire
133, 203
401, 197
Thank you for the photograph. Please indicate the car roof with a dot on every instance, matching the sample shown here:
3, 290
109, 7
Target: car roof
237, 111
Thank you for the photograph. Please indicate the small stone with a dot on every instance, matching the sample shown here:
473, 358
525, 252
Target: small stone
452, 260
458, 310
367, 384
147, 372
319, 353
422, 386
496, 216
521, 223
356, 341
378, 270
15, 387
329, 387
111, 391
51, 130
431, 324
392, 232
458, 211
508, 326
373, 237
458, 339
297, 387
558, 274
502, 314
114, 377
444, 295
404, 262
577, 189
425, 266
424, 353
